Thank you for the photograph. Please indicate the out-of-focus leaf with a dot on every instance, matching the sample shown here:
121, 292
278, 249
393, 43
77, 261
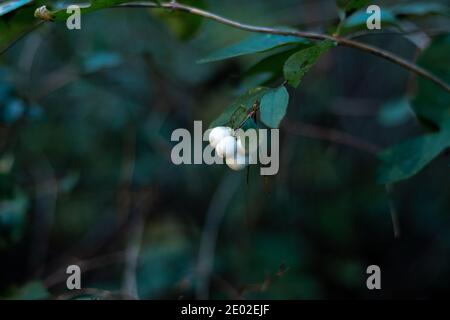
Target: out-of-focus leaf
358, 20
432, 106
101, 60
14, 109
408, 158
349, 5
12, 217
348, 272
166, 262
395, 112
254, 44
236, 112
183, 25
9, 6
6, 163
299, 63
34, 290
431, 103
420, 9
17, 23
273, 106
69, 182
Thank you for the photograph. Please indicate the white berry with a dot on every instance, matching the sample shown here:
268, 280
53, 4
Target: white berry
226, 147
246, 146
238, 162
218, 133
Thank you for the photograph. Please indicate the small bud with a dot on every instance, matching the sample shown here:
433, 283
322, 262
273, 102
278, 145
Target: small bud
43, 13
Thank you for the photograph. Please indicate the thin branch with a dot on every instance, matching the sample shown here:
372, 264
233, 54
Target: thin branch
434, 32
175, 6
133, 249
333, 135
216, 212
393, 211
136, 224
252, 112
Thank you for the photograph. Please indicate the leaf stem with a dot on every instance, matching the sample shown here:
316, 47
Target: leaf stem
175, 6
252, 111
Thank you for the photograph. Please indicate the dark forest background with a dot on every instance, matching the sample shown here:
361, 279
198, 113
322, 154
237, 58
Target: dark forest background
86, 177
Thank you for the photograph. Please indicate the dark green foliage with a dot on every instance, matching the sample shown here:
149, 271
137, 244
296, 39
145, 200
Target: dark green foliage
432, 106
274, 106
299, 63
237, 111
254, 44
86, 118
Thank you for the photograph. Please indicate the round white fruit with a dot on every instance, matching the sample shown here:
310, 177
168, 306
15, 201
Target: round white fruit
247, 146
218, 133
226, 147
238, 162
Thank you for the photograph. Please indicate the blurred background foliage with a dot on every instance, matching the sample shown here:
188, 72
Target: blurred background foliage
86, 178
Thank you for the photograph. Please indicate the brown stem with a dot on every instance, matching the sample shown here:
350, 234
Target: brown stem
333, 135
253, 110
175, 6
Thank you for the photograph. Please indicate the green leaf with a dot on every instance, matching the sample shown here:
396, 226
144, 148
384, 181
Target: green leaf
271, 65
16, 22
408, 158
183, 26
431, 103
13, 211
236, 112
299, 63
395, 112
273, 106
9, 6
34, 290
254, 44
62, 15
420, 9
255, 80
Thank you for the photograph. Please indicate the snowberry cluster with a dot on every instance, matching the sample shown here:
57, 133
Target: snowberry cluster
230, 147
